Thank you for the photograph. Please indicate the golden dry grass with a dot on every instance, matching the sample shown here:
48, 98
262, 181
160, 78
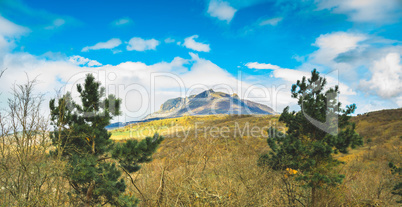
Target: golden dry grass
198, 165
207, 169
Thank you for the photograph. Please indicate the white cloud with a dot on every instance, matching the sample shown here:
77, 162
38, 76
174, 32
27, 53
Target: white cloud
386, 79
292, 75
127, 79
122, 21
200, 73
190, 43
170, 40
332, 79
56, 23
10, 29
289, 75
256, 65
376, 11
221, 10
124, 79
349, 52
79, 60
225, 10
9, 33
110, 44
140, 44
115, 51
399, 101
332, 44
271, 21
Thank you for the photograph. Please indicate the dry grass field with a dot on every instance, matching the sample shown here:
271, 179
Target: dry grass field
212, 161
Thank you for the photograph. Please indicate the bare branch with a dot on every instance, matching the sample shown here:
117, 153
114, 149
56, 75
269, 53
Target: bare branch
1, 73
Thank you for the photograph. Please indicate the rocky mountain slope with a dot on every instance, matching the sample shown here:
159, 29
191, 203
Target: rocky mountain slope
207, 103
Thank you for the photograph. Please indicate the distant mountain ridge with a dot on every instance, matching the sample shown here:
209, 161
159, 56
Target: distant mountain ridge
209, 102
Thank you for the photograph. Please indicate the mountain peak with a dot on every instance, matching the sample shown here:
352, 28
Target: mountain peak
209, 102
204, 94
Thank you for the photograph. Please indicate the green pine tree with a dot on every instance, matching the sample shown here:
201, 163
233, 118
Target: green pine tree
94, 162
308, 146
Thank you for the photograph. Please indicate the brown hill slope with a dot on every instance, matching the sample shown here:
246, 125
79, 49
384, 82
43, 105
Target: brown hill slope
212, 161
379, 124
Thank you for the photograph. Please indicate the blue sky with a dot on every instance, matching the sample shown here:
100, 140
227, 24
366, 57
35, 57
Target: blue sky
253, 48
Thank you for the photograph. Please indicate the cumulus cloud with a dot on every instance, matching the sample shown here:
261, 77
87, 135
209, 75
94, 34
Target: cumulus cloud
332, 44
221, 10
270, 21
131, 81
348, 52
10, 29
122, 21
386, 79
200, 73
143, 87
376, 11
110, 44
190, 43
371, 49
79, 60
9, 33
139, 44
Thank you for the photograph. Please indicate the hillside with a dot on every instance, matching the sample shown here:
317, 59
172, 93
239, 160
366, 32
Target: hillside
380, 124
212, 161
207, 103
380, 130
